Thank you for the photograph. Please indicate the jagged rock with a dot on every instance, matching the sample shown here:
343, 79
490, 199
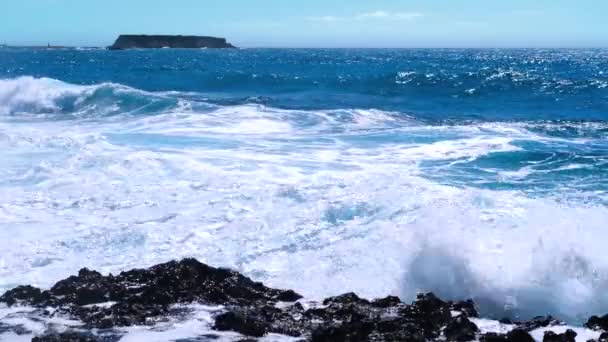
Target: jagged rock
460, 329
493, 337
242, 322
596, 322
352, 331
89, 287
345, 318
603, 337
519, 335
141, 41
432, 312
538, 322
568, 336
386, 302
69, 337
22, 295
515, 335
146, 296
467, 307
141, 295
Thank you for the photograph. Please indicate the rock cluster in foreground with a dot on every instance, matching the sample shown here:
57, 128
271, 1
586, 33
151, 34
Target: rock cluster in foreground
145, 296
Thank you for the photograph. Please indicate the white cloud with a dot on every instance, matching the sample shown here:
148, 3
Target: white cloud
325, 18
374, 15
379, 14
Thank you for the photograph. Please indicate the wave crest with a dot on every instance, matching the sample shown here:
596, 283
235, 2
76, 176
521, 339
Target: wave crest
46, 96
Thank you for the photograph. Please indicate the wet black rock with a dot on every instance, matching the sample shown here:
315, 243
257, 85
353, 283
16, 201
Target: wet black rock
147, 296
519, 335
538, 322
68, 337
139, 296
22, 295
515, 335
596, 322
460, 328
568, 336
467, 307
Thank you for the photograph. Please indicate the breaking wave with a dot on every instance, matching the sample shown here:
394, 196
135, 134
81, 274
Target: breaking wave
321, 201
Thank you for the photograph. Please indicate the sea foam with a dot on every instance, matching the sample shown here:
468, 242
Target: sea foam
321, 201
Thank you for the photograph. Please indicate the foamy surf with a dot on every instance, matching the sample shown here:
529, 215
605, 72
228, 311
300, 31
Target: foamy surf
322, 201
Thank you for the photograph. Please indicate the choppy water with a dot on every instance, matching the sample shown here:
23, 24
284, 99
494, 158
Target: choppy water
471, 173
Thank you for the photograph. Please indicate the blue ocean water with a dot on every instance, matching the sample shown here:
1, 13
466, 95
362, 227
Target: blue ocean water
471, 173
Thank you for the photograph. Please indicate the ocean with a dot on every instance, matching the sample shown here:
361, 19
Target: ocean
469, 173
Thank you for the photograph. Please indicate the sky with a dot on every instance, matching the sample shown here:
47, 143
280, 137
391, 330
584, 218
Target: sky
313, 23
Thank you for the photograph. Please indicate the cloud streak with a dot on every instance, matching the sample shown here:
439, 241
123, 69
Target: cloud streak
374, 15
325, 18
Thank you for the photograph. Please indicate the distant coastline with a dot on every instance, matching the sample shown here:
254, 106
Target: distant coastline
142, 41
48, 47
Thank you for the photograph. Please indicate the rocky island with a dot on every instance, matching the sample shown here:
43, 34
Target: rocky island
105, 305
140, 41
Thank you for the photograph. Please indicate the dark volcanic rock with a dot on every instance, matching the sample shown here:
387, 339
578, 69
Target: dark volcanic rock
568, 336
538, 322
22, 295
349, 318
460, 329
432, 312
467, 307
142, 295
519, 335
74, 337
168, 41
596, 322
147, 296
515, 335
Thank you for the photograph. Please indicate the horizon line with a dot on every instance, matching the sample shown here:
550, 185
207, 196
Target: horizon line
51, 46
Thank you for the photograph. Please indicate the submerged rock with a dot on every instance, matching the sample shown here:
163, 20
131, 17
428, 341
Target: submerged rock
147, 296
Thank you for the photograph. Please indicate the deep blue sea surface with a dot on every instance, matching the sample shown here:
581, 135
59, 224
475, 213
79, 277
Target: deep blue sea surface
471, 173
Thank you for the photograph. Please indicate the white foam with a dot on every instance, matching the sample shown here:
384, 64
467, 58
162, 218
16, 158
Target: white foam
28, 95
307, 200
26, 92
582, 334
491, 326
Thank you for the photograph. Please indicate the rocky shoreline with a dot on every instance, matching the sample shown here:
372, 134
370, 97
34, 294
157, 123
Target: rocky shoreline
144, 297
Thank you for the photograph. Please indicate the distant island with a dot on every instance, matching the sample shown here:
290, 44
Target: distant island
140, 41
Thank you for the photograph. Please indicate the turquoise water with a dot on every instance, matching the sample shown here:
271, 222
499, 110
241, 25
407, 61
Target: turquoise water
479, 173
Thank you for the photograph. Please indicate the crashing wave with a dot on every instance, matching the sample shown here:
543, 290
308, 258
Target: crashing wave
321, 201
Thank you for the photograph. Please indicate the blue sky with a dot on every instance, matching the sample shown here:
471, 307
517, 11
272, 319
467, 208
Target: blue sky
314, 23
